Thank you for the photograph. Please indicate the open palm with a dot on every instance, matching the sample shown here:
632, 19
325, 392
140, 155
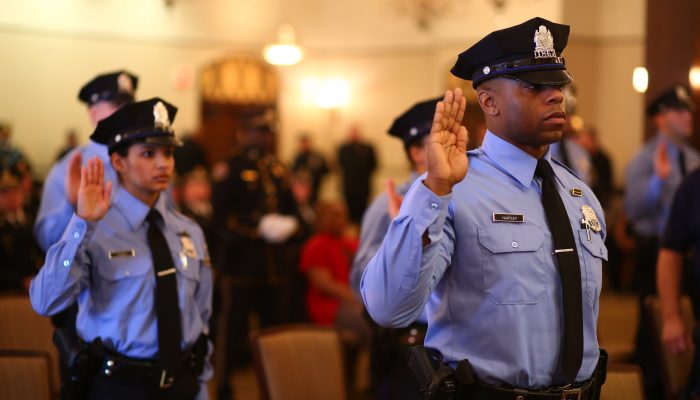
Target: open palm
93, 194
447, 144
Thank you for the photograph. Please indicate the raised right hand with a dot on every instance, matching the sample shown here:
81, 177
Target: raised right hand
447, 144
662, 165
93, 194
675, 336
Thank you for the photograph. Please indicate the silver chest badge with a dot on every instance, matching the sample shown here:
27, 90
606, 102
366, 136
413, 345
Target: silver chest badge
590, 221
544, 43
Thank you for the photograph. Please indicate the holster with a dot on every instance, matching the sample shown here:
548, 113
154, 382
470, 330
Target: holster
436, 380
84, 361
600, 374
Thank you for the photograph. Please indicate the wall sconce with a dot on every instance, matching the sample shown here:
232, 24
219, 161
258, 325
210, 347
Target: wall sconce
640, 79
285, 51
694, 77
327, 93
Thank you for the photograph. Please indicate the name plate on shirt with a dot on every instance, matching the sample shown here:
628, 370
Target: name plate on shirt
122, 253
508, 217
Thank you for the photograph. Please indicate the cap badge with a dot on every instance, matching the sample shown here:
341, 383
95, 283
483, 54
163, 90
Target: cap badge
487, 70
124, 83
413, 131
544, 43
682, 94
160, 116
118, 138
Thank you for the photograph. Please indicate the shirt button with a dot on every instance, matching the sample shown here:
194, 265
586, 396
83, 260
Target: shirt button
434, 206
514, 244
76, 235
66, 263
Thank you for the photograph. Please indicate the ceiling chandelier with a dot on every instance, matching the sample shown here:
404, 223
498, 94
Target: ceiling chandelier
285, 51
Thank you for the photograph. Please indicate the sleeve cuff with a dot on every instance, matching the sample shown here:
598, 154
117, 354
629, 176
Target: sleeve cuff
425, 207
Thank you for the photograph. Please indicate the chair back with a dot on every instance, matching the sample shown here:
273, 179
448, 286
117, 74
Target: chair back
25, 330
25, 375
295, 362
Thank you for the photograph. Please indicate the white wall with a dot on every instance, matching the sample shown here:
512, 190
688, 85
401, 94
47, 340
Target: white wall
51, 47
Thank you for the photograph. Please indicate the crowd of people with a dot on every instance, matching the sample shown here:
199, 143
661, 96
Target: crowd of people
156, 262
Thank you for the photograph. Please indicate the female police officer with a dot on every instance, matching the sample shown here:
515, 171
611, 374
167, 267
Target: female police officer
137, 268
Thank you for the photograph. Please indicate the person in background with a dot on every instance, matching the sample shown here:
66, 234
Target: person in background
21, 256
652, 178
310, 161
102, 95
325, 260
602, 169
255, 218
357, 161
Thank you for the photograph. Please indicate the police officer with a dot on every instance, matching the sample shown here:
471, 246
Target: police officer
255, 216
680, 243
138, 269
390, 373
506, 259
652, 179
20, 254
103, 95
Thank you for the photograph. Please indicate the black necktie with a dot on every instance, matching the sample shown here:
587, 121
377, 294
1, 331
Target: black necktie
681, 163
569, 269
166, 301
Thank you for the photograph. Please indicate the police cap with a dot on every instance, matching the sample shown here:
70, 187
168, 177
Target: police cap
143, 122
415, 123
676, 98
113, 86
530, 52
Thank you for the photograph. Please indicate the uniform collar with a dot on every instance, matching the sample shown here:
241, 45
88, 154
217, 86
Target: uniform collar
133, 209
514, 161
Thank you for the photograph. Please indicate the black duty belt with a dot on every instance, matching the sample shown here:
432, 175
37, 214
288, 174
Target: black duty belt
147, 371
478, 390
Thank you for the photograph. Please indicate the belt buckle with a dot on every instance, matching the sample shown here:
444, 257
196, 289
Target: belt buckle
571, 394
166, 382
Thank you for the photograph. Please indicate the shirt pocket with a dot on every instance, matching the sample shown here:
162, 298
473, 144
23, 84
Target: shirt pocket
512, 264
593, 255
124, 284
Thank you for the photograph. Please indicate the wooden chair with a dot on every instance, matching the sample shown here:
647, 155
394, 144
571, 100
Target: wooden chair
25, 375
25, 330
675, 368
299, 362
624, 382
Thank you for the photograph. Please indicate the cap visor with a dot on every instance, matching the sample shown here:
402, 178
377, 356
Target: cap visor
546, 77
163, 141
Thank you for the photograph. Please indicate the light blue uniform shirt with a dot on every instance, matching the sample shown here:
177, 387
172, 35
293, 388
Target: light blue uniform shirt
491, 290
375, 223
107, 267
55, 211
648, 198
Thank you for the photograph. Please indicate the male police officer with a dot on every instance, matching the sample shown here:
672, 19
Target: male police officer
138, 269
506, 259
653, 177
103, 95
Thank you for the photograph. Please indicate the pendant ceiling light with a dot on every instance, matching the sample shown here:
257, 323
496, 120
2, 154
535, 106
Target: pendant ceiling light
285, 51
